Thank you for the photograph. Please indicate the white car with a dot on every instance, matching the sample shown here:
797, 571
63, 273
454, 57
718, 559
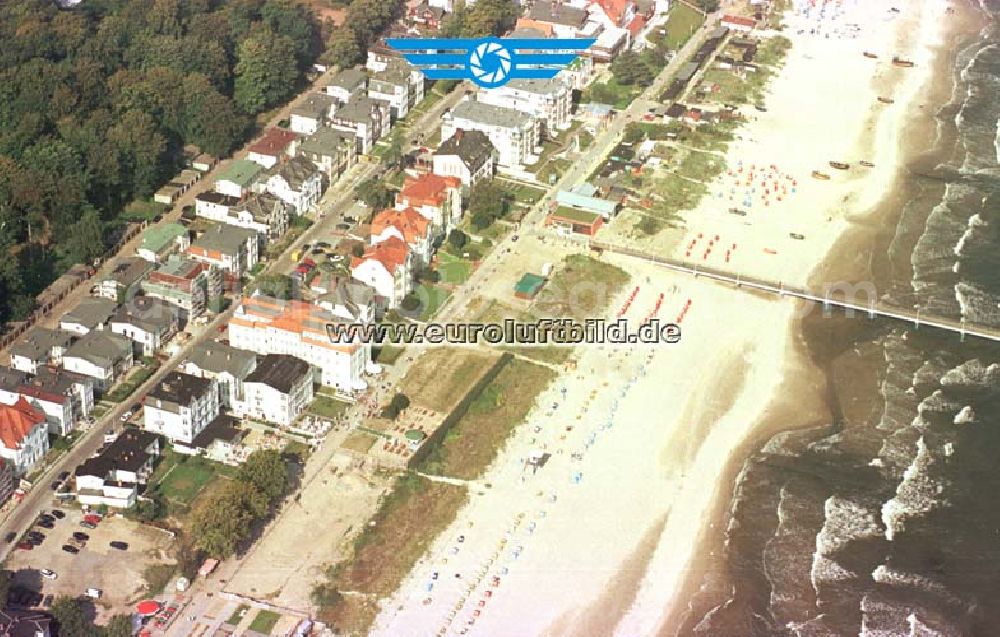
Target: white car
47, 574
126, 416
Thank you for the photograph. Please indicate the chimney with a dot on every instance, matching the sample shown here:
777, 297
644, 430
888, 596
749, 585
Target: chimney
458, 134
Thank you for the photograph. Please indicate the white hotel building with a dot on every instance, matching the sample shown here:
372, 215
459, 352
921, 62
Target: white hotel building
267, 325
513, 133
547, 100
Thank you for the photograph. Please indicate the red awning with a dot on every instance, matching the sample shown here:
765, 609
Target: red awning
147, 607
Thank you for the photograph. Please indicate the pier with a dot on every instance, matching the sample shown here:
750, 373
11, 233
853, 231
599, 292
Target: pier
872, 307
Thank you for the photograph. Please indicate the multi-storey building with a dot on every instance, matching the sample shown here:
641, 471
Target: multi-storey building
181, 406
513, 133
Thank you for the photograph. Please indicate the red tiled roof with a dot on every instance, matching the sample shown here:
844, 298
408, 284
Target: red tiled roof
410, 223
428, 188
740, 20
528, 23
17, 421
614, 9
636, 25
273, 143
391, 253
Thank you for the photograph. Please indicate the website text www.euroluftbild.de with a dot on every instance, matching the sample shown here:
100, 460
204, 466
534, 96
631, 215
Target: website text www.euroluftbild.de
544, 332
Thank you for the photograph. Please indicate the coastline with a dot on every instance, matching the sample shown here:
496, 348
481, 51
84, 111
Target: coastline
686, 434
870, 233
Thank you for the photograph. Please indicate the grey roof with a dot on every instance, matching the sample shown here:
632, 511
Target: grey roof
279, 371
179, 388
558, 13
216, 357
37, 344
128, 452
526, 33
222, 427
315, 105
350, 293
349, 79
491, 115
326, 141
218, 198
544, 86
261, 205
58, 380
473, 147
296, 171
128, 270
91, 312
358, 109
101, 348
11, 379
224, 238
147, 313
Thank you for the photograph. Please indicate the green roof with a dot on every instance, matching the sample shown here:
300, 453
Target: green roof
529, 284
579, 216
239, 171
159, 236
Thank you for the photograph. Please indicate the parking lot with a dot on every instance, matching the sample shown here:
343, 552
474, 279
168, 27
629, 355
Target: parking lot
117, 573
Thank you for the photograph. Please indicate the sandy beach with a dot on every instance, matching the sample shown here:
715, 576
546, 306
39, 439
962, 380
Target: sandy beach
642, 442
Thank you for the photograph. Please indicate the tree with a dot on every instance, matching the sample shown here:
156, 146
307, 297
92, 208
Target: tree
457, 239
489, 17
487, 202
147, 509
399, 402
71, 618
267, 472
280, 286
85, 240
266, 71
222, 521
119, 626
629, 68
343, 48
374, 194
394, 156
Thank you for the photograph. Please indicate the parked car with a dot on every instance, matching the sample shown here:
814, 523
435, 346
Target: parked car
117, 544
48, 574
88, 525
56, 513
70, 549
63, 475
126, 416
45, 524
93, 518
47, 601
25, 546
80, 535
94, 593
55, 484
10, 537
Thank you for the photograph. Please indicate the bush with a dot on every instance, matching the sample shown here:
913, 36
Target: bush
398, 403
457, 239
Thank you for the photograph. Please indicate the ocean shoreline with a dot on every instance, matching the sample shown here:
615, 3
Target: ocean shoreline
865, 235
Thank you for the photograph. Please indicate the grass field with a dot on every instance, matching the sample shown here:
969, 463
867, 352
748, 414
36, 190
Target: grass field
327, 407
432, 298
441, 377
454, 270
264, 622
414, 513
581, 288
179, 480
475, 440
682, 22
237, 615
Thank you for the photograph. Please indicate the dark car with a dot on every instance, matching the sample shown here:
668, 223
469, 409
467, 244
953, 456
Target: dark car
46, 524
322, 244
117, 544
10, 537
88, 525
80, 535
350, 219
157, 218
343, 226
56, 513
63, 475
47, 601
70, 549
55, 484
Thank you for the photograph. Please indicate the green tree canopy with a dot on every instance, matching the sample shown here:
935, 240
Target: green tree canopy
265, 72
267, 472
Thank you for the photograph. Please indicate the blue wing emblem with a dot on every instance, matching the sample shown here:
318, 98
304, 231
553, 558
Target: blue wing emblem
490, 62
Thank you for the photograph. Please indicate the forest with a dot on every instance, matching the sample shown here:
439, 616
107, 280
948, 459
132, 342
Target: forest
98, 101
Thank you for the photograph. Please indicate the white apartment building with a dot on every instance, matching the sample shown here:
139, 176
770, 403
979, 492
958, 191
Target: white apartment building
297, 182
24, 437
513, 133
181, 406
549, 101
267, 325
228, 366
387, 266
278, 390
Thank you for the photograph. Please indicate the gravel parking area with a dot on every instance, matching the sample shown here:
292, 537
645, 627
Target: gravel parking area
97, 565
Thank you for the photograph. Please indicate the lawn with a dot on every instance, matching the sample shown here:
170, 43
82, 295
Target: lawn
454, 270
431, 298
237, 615
611, 92
157, 577
475, 440
409, 518
682, 22
327, 407
442, 377
138, 376
523, 193
186, 480
264, 622
388, 354
581, 288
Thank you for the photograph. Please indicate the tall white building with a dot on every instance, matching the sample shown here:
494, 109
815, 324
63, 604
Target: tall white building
267, 325
180, 406
547, 100
278, 390
513, 133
